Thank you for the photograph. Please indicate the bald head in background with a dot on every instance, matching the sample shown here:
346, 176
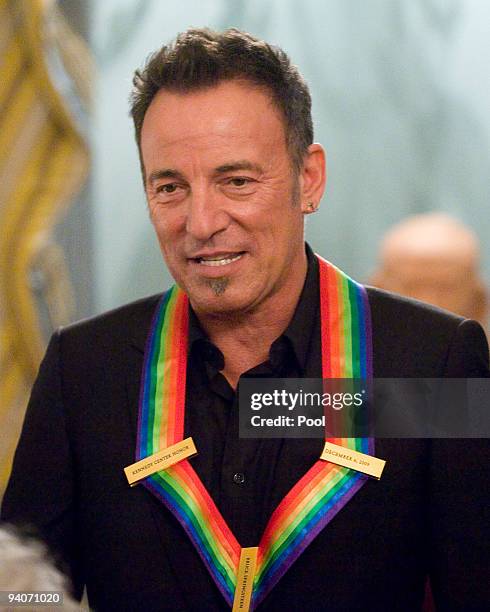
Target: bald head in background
434, 258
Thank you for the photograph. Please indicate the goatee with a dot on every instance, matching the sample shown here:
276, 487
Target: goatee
218, 285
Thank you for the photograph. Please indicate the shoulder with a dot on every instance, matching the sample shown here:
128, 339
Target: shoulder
399, 311
126, 324
411, 338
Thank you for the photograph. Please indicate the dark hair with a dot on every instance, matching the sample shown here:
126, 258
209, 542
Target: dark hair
200, 58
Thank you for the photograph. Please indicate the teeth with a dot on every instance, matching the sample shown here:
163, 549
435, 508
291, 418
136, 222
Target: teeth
219, 261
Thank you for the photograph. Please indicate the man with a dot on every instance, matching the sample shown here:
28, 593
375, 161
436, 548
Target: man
223, 126
436, 259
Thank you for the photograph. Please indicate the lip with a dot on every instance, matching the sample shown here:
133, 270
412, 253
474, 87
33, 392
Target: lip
215, 271
215, 254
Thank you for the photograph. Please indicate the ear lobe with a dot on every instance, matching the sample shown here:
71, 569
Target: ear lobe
313, 178
309, 207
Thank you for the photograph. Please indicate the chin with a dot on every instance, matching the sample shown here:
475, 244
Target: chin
218, 301
216, 305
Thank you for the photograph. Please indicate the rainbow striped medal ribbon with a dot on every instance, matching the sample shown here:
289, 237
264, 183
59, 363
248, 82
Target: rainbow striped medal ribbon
312, 502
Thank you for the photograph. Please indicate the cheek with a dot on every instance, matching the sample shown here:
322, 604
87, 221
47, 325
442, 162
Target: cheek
167, 226
271, 211
161, 232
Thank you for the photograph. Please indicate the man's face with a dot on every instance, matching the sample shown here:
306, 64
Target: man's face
220, 190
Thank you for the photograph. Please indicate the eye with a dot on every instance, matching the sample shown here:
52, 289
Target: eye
168, 192
167, 188
238, 186
239, 181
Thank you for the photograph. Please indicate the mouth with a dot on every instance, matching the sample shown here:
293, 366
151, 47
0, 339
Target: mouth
222, 259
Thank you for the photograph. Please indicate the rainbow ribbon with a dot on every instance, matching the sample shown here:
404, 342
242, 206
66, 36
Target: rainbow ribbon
313, 501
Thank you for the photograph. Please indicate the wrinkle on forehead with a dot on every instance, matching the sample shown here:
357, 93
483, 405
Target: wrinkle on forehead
230, 110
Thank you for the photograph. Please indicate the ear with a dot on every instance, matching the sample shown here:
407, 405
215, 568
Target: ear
313, 177
481, 304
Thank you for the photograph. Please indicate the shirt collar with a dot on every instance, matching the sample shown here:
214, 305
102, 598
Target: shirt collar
300, 329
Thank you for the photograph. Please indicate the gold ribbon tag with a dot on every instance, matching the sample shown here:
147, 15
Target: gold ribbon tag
340, 455
245, 579
160, 461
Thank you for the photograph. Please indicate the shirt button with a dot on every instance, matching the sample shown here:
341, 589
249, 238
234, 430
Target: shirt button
239, 478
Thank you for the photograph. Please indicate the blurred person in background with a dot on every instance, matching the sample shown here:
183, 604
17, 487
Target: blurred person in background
434, 258
26, 567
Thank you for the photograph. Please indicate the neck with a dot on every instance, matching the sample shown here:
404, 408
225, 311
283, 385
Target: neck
245, 338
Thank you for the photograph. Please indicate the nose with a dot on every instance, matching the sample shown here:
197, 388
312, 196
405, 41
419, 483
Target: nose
205, 214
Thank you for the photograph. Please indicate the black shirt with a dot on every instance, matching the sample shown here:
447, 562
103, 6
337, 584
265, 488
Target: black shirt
242, 474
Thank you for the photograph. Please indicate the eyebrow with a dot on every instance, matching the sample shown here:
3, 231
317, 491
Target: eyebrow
157, 175
238, 165
233, 166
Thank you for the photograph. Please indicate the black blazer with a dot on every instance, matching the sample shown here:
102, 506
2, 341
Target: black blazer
429, 514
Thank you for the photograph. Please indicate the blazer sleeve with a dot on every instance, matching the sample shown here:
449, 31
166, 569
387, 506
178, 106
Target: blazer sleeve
459, 492
39, 494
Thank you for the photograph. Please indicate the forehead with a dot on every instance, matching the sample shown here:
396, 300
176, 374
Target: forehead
233, 113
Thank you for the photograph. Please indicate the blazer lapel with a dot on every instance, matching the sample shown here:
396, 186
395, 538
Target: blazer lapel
137, 336
181, 555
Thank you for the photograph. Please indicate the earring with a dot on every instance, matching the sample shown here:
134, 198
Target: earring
311, 207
